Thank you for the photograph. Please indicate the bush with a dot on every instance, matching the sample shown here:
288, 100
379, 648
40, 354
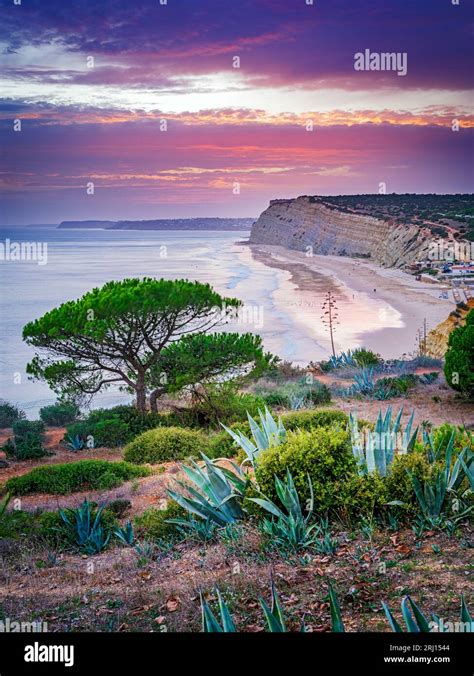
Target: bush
398, 482
151, 524
136, 421
30, 446
73, 476
9, 413
16, 524
398, 386
116, 426
276, 398
165, 444
111, 433
24, 428
323, 453
222, 445
59, 414
28, 441
364, 495
308, 420
221, 403
364, 357
459, 358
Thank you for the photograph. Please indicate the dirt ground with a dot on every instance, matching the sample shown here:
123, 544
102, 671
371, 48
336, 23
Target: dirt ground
112, 591
119, 591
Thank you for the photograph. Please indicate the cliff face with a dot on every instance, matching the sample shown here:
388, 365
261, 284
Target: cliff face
437, 339
310, 222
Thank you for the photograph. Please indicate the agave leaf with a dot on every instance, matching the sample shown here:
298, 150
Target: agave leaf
269, 506
209, 623
422, 622
392, 621
468, 470
274, 617
336, 617
465, 615
396, 425
227, 621
409, 621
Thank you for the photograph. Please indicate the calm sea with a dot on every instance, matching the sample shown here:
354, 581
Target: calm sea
78, 260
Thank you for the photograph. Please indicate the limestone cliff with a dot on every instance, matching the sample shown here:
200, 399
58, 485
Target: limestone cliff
437, 339
313, 222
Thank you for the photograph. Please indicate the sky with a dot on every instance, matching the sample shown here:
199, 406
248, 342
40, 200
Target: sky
120, 109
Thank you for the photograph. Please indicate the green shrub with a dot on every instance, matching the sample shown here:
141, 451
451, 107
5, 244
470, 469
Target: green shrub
296, 394
24, 428
165, 444
111, 433
135, 420
59, 414
324, 454
398, 386
28, 441
276, 398
221, 445
364, 495
73, 476
308, 420
9, 413
222, 403
152, 523
16, 523
30, 447
364, 357
459, 358
398, 483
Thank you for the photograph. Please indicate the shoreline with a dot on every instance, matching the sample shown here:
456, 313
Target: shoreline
384, 307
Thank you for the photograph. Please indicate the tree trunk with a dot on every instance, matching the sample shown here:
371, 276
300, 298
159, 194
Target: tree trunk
141, 395
154, 396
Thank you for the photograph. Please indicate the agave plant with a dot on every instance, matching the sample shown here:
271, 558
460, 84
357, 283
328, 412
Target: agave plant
271, 433
219, 492
85, 528
126, 534
342, 360
291, 530
377, 452
416, 621
273, 615
75, 443
195, 529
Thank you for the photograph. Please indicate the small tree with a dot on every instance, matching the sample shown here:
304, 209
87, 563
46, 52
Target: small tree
201, 358
459, 358
116, 334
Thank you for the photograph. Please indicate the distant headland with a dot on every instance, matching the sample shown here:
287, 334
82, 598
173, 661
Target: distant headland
163, 224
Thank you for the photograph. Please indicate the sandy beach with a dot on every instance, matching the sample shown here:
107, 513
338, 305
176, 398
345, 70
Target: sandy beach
382, 309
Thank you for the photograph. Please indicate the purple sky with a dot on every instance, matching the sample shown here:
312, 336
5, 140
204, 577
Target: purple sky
93, 82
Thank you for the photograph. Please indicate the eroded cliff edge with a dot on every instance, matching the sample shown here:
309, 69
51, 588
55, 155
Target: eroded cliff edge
313, 222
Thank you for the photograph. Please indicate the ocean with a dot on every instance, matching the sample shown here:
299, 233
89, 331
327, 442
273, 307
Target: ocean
71, 262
